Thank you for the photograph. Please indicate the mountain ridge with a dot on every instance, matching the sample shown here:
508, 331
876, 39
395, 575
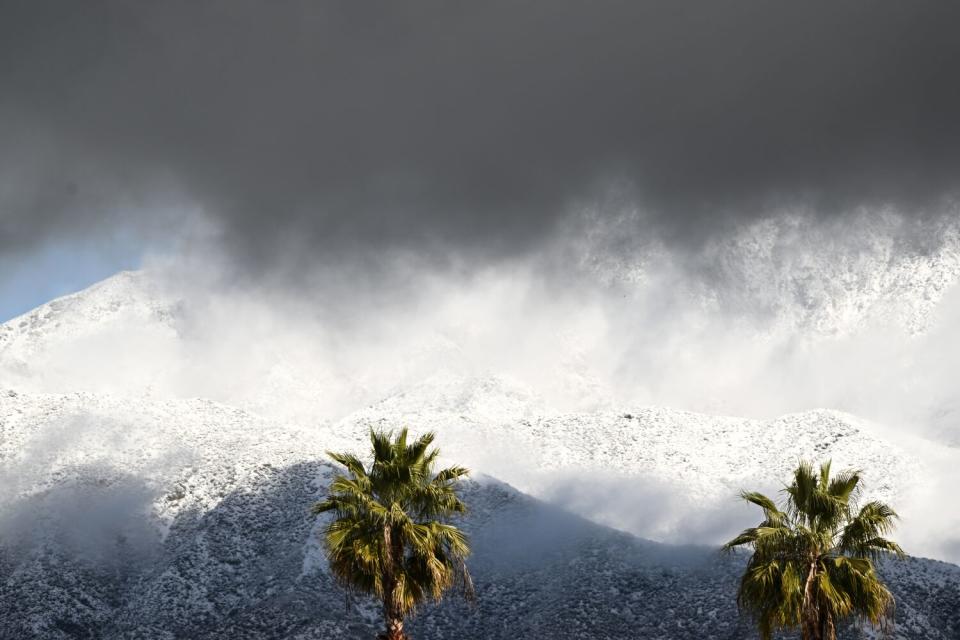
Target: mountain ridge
228, 547
166, 513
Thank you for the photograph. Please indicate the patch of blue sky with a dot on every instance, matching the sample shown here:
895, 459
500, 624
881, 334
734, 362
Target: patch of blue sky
28, 280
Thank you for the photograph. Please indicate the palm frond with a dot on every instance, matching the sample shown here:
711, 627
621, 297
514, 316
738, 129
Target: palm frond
874, 520
845, 484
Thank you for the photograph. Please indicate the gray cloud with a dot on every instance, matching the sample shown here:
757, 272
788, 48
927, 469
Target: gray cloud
311, 129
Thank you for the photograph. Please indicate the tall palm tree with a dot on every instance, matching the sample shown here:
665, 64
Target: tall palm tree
391, 534
812, 561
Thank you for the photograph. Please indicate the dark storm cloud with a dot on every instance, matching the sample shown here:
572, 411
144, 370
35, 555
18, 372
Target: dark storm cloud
348, 125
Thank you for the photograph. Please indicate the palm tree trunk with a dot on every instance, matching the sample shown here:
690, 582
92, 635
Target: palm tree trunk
395, 629
829, 631
810, 629
394, 623
393, 550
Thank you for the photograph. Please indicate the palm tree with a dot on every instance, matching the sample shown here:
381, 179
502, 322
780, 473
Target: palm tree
812, 561
390, 535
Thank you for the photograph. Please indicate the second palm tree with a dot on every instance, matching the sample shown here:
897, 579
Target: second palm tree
812, 561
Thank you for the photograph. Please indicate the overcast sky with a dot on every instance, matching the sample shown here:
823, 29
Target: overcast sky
297, 134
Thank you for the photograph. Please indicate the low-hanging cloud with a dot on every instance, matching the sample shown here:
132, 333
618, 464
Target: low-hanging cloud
797, 313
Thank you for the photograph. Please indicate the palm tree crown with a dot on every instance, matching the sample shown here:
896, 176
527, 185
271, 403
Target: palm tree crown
390, 535
812, 561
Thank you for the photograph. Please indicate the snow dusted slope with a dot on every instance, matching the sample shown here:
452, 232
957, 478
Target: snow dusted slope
163, 443
131, 509
125, 516
136, 333
817, 277
127, 299
168, 519
678, 471
133, 336
122, 329
807, 275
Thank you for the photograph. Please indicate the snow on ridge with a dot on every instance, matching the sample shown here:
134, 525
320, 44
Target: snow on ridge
186, 453
133, 333
705, 459
677, 464
788, 269
802, 273
816, 278
227, 494
128, 306
642, 437
682, 461
123, 292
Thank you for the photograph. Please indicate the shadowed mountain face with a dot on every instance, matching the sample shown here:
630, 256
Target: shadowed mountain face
250, 567
188, 519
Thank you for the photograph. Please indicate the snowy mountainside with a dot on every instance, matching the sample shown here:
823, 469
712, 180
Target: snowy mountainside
695, 462
116, 325
163, 514
159, 518
134, 334
167, 445
682, 469
729, 347
804, 274
816, 277
118, 519
129, 297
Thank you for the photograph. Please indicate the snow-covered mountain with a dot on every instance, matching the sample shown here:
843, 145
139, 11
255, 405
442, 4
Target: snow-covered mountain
158, 455
175, 518
678, 471
126, 301
783, 315
801, 273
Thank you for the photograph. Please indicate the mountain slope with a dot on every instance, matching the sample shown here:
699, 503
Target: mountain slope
803, 275
678, 471
157, 518
131, 509
133, 336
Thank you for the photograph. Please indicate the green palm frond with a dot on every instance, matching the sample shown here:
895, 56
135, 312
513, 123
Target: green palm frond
863, 535
844, 485
351, 462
